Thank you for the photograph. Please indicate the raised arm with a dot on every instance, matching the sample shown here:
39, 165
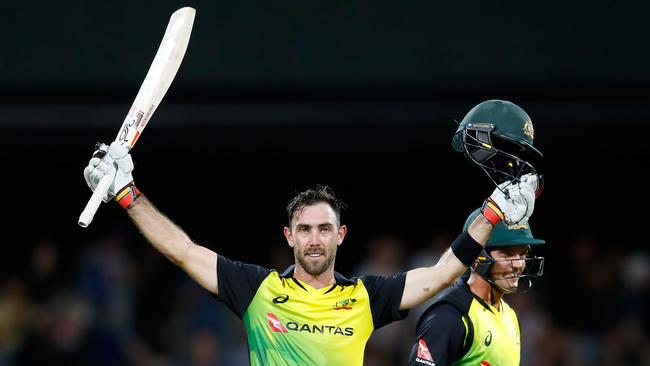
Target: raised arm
511, 202
199, 262
423, 283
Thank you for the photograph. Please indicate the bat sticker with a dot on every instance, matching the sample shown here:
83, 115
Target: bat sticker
132, 121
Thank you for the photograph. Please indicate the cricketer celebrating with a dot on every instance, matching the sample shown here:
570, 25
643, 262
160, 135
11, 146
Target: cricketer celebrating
471, 324
308, 314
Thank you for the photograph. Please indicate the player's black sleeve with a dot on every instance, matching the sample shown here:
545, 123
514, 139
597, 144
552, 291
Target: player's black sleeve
385, 296
238, 283
443, 332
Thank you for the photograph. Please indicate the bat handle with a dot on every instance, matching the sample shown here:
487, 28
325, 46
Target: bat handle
95, 200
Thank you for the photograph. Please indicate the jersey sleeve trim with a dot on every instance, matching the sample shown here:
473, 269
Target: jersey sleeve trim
238, 283
385, 295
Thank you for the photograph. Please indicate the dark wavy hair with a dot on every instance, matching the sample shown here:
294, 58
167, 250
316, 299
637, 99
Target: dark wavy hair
313, 196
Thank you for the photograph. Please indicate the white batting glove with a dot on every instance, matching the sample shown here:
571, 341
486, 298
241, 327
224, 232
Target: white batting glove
512, 202
530, 189
113, 160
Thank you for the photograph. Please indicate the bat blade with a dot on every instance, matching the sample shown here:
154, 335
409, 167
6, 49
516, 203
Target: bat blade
159, 77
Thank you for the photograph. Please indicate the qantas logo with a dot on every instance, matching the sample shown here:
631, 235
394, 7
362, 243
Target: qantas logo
277, 326
275, 323
424, 356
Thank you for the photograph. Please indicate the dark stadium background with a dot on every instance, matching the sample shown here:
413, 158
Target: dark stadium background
273, 97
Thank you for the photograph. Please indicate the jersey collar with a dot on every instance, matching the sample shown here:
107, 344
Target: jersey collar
480, 300
340, 279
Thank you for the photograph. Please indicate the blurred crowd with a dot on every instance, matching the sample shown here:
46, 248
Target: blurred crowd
108, 304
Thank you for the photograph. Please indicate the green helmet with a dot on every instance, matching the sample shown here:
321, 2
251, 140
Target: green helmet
502, 236
497, 135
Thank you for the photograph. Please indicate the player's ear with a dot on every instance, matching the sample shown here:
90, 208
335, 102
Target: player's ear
343, 230
288, 236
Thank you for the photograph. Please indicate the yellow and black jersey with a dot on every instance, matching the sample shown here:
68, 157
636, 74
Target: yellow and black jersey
288, 322
462, 329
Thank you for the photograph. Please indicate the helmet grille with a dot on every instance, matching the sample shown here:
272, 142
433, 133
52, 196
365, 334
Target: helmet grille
500, 158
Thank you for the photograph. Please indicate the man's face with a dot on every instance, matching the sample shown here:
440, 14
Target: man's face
509, 264
314, 236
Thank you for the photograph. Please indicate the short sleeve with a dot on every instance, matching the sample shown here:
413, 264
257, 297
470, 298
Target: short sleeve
385, 297
440, 336
238, 283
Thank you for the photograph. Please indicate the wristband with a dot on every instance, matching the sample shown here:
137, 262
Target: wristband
491, 212
127, 195
466, 249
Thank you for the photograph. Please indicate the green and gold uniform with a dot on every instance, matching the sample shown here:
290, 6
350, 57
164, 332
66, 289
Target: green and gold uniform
288, 322
462, 329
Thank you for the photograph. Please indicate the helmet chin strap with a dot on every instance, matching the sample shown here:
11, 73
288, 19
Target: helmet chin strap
523, 284
507, 291
495, 290
502, 290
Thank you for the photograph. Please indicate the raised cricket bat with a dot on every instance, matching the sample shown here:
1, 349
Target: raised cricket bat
161, 73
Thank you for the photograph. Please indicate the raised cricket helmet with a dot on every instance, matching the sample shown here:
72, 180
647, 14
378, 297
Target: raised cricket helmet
497, 135
503, 237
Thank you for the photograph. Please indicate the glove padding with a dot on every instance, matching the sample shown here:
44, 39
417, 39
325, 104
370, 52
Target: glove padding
516, 200
113, 160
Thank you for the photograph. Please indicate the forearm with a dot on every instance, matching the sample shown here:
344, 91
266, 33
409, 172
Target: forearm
480, 229
199, 262
160, 231
424, 283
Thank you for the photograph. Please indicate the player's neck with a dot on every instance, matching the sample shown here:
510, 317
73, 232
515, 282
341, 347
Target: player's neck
323, 280
485, 291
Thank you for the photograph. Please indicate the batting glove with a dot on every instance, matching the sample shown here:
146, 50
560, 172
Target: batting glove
512, 202
113, 160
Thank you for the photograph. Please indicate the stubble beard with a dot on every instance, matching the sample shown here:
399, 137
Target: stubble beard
314, 268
